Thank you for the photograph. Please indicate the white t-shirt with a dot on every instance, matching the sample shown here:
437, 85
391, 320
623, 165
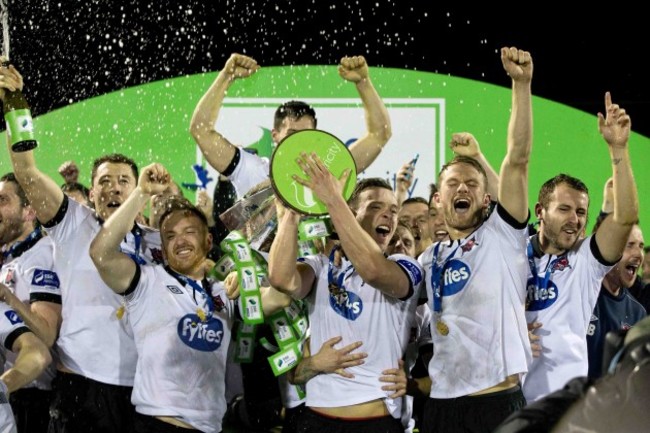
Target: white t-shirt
93, 342
365, 314
250, 171
11, 327
564, 308
483, 299
181, 359
29, 272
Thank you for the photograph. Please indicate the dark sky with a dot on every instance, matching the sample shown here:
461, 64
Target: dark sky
70, 50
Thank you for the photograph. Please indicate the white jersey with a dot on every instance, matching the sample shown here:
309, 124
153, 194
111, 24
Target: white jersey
250, 171
28, 270
483, 293
359, 313
181, 357
419, 336
11, 327
564, 308
93, 341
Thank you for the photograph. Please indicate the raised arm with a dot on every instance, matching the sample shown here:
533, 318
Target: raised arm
513, 179
464, 143
366, 149
116, 268
285, 273
44, 194
362, 250
33, 358
218, 151
613, 233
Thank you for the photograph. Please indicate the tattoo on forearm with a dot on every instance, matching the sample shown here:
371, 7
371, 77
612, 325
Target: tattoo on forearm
615, 161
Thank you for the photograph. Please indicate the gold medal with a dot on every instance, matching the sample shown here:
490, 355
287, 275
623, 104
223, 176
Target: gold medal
201, 314
442, 327
120, 312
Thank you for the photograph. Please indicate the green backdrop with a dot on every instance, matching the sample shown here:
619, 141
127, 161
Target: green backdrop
151, 123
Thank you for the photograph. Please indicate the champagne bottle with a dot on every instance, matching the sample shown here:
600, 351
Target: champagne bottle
18, 117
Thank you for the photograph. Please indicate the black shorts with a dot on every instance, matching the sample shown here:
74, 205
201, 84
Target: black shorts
471, 414
31, 408
85, 405
313, 422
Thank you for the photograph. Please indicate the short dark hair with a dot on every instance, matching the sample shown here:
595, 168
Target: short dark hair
115, 158
550, 185
294, 110
461, 159
75, 186
20, 192
433, 188
412, 200
174, 203
363, 184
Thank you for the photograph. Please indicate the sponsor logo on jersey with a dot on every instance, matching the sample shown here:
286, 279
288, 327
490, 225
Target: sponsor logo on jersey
414, 271
175, 290
349, 306
204, 336
13, 317
539, 298
455, 277
45, 278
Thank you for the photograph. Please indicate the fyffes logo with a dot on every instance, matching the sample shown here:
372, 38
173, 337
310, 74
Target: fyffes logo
538, 297
203, 336
455, 277
350, 307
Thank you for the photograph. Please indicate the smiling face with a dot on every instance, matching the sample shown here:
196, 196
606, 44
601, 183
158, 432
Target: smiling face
376, 211
186, 242
462, 197
112, 184
436, 222
563, 220
624, 273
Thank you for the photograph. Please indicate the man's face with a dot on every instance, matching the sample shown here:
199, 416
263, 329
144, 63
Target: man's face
436, 222
402, 242
112, 184
377, 214
462, 197
12, 214
624, 273
645, 273
562, 223
291, 125
415, 215
186, 242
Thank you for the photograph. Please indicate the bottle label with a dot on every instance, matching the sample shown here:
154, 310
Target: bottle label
19, 125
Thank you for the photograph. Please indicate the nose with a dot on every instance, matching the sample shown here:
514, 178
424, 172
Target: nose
463, 187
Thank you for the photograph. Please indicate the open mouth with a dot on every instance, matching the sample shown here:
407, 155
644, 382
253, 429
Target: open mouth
383, 230
461, 205
113, 204
631, 270
441, 234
